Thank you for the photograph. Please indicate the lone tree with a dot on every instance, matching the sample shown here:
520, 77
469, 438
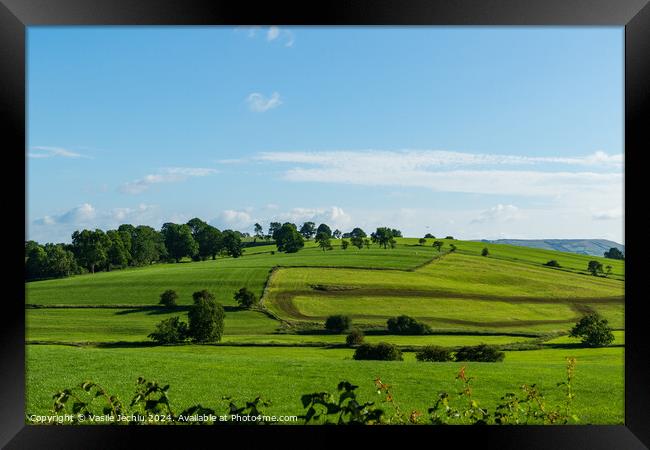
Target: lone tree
438, 245
308, 229
288, 239
206, 318
594, 331
245, 298
595, 267
429, 236
485, 251
324, 228
338, 323
422, 241
168, 298
552, 263
259, 232
323, 241
614, 253
170, 331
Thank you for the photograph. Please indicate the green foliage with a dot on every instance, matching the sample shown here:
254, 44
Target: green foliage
231, 244
422, 241
355, 337
594, 331
614, 253
323, 240
480, 353
288, 239
552, 263
451, 238
383, 236
595, 267
90, 248
308, 230
452, 248
179, 241
357, 241
346, 410
168, 298
485, 251
324, 229
205, 318
344, 244
338, 323
429, 236
438, 245
434, 353
210, 242
407, 325
245, 298
170, 331
381, 351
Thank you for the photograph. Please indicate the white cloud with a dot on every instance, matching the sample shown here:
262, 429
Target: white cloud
611, 214
168, 175
51, 152
235, 219
273, 33
498, 213
259, 103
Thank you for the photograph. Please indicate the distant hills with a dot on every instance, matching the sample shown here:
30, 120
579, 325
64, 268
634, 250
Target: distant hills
594, 247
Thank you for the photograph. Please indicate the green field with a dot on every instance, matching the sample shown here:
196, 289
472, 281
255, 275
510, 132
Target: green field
507, 299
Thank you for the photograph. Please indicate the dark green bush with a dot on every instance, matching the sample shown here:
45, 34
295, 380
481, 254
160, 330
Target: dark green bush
245, 298
355, 337
407, 325
338, 323
552, 263
480, 353
594, 331
168, 298
206, 318
170, 331
434, 353
381, 352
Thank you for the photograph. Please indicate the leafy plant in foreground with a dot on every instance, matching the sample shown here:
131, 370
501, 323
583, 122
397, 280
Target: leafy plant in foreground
347, 410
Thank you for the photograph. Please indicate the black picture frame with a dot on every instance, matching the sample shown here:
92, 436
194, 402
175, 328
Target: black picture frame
634, 15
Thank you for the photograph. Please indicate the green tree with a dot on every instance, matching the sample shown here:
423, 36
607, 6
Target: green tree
594, 331
358, 233
485, 251
422, 241
288, 239
170, 331
259, 232
608, 270
406, 325
209, 239
323, 241
438, 245
206, 318
552, 263
336, 234
452, 248
614, 253
429, 236
595, 267
308, 229
245, 298
196, 225
338, 323
274, 228
231, 243
117, 253
90, 248
35, 262
323, 228
344, 244
357, 241
382, 236
148, 245
179, 241
366, 242
168, 298
355, 337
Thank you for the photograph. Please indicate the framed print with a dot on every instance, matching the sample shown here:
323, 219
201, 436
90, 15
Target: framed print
413, 217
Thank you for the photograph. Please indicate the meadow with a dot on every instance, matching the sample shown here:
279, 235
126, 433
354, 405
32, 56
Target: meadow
95, 326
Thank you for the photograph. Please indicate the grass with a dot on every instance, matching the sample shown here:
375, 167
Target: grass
203, 374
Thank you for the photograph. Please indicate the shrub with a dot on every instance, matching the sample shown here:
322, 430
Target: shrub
406, 325
485, 252
449, 237
170, 331
552, 263
245, 298
481, 353
595, 267
381, 352
168, 298
434, 353
355, 337
594, 331
338, 323
206, 318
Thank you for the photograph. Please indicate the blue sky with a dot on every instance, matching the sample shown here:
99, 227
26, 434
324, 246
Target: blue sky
478, 132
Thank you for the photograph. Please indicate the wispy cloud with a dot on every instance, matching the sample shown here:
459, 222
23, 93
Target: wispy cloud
53, 152
498, 213
273, 33
260, 103
167, 175
611, 214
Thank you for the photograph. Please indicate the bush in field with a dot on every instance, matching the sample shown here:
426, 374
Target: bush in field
245, 298
407, 325
594, 331
381, 352
206, 318
485, 252
170, 331
355, 337
552, 263
344, 244
434, 353
595, 267
422, 241
338, 323
480, 353
168, 298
